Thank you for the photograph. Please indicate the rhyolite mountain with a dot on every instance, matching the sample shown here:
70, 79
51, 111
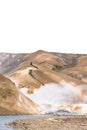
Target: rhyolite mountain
28, 75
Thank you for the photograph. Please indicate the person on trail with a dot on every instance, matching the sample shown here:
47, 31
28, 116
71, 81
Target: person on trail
30, 72
31, 63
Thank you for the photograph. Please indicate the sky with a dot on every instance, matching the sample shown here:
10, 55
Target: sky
50, 25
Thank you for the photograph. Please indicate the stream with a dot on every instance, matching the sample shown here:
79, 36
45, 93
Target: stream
7, 119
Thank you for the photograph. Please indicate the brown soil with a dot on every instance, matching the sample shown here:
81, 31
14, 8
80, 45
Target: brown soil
52, 123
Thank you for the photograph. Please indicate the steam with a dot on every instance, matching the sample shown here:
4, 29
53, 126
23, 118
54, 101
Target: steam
52, 97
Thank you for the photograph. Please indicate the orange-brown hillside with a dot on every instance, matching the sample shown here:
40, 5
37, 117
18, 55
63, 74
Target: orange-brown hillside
43, 67
12, 101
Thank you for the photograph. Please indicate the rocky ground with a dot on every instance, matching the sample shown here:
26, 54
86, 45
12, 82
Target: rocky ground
58, 122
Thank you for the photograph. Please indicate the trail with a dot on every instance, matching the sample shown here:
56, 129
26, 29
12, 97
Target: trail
31, 73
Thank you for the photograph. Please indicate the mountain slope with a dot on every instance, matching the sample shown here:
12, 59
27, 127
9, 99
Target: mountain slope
9, 61
79, 71
12, 101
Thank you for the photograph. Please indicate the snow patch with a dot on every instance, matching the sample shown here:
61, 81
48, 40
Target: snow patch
0, 63
13, 55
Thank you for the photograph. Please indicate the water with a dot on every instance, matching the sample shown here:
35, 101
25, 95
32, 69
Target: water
7, 119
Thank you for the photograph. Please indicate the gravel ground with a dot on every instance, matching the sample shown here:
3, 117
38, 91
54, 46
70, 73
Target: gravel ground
52, 123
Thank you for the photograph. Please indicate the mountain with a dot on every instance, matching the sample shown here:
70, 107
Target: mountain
9, 61
43, 67
41, 75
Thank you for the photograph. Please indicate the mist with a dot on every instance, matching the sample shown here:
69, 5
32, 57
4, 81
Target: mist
66, 96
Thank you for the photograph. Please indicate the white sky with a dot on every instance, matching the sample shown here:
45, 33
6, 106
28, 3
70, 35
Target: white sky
51, 25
